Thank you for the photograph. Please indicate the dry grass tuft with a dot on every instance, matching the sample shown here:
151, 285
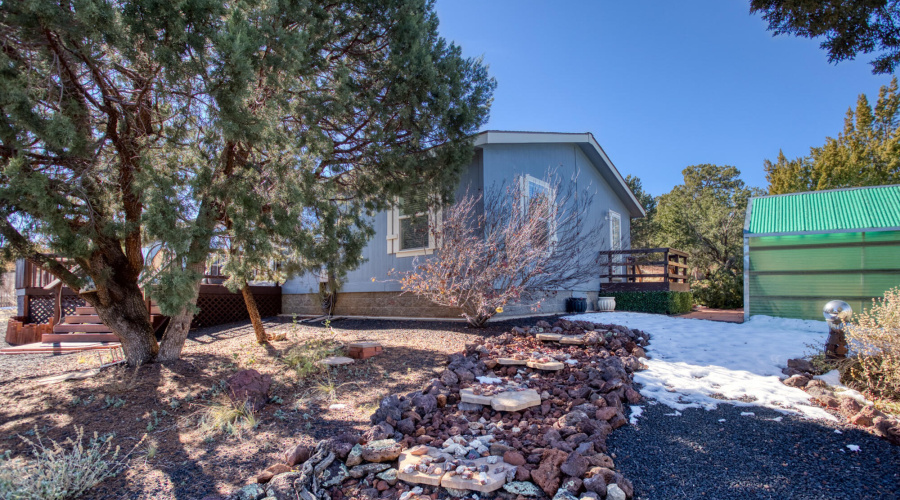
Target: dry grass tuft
874, 341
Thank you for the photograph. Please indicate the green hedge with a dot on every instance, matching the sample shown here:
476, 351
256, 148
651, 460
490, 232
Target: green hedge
653, 302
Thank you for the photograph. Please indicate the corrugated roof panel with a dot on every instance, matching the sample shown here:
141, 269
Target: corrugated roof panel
871, 208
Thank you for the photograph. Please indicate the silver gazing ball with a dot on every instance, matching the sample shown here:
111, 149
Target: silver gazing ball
837, 310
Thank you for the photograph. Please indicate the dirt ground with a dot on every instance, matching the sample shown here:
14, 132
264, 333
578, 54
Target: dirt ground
177, 459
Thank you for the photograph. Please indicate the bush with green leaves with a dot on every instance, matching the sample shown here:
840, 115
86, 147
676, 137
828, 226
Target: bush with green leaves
722, 290
658, 302
59, 471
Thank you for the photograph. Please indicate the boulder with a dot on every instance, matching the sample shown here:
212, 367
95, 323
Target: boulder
614, 492
282, 486
575, 465
251, 387
801, 365
383, 450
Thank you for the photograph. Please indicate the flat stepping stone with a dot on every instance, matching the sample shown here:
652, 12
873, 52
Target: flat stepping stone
336, 361
548, 366
407, 459
469, 396
549, 337
515, 401
572, 339
493, 482
511, 361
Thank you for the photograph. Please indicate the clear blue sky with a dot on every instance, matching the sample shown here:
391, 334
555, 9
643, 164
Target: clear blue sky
662, 85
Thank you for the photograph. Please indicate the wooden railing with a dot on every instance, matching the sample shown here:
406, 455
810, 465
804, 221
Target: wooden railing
624, 270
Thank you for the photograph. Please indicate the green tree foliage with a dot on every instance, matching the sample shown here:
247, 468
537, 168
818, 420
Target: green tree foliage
642, 230
850, 27
705, 217
278, 126
865, 153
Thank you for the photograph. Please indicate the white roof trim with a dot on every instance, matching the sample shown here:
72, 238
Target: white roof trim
586, 138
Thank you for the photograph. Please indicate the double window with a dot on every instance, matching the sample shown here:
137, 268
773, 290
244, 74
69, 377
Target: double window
412, 228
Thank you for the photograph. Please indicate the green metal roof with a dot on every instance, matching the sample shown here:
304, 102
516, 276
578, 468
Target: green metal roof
874, 208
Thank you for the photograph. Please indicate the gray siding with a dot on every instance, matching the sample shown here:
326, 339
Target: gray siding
493, 165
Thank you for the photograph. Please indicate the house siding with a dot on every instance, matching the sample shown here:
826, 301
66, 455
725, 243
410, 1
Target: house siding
492, 165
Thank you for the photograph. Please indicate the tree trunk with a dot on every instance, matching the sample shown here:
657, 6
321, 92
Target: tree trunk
254, 314
128, 318
180, 324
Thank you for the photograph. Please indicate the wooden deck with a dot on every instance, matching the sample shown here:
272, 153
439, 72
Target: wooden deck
60, 347
52, 313
644, 270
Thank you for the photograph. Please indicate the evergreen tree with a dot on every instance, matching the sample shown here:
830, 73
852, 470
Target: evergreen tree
277, 125
850, 27
865, 153
642, 230
705, 217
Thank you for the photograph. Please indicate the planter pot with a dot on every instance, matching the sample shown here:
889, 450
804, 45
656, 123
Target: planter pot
576, 305
606, 304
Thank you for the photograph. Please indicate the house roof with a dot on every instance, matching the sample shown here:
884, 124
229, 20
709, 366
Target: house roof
875, 208
588, 145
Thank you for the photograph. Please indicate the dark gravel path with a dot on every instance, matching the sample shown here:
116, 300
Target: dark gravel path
696, 456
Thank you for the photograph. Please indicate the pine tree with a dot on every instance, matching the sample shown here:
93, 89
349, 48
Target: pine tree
642, 230
184, 122
865, 153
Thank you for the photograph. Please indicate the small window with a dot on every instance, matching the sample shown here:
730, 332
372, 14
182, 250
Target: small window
412, 228
538, 195
615, 231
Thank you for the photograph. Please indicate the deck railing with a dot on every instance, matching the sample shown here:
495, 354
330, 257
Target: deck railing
644, 269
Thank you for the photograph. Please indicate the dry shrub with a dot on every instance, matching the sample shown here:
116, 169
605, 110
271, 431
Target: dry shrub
874, 341
58, 471
304, 358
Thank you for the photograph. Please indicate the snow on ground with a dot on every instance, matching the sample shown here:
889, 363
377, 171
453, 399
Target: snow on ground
693, 360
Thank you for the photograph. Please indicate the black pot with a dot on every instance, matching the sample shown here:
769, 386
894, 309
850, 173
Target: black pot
576, 305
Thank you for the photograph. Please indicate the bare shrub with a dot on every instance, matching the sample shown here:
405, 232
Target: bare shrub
874, 340
59, 472
511, 246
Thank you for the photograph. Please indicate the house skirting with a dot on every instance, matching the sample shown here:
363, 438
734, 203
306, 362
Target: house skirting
393, 304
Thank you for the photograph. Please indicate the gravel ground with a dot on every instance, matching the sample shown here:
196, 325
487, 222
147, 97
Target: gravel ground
696, 456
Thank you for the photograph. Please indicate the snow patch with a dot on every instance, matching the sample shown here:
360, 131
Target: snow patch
853, 447
636, 411
701, 364
489, 380
748, 414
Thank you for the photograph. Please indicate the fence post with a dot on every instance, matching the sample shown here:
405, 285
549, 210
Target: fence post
666, 266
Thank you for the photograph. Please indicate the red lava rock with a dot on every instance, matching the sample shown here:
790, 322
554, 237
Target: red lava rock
271, 472
298, 455
865, 417
250, 386
381, 485
606, 413
632, 395
514, 458
850, 406
546, 476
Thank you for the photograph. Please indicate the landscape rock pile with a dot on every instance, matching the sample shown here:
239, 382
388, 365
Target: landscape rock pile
512, 417
852, 407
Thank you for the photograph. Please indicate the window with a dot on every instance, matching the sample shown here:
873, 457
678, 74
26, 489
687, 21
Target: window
615, 231
538, 195
411, 228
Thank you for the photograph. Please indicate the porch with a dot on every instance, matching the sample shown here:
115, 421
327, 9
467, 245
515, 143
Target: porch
644, 270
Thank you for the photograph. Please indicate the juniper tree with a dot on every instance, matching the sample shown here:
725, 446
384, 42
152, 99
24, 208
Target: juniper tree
865, 153
128, 122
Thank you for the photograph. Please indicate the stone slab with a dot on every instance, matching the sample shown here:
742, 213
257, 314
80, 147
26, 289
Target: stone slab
469, 396
495, 478
511, 361
572, 339
516, 400
420, 477
336, 361
364, 344
549, 337
549, 366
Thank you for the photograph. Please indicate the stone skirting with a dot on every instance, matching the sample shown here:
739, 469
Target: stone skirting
393, 304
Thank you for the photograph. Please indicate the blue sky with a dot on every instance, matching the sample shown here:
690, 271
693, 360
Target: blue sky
662, 85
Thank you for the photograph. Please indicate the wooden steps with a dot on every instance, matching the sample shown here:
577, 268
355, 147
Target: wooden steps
86, 326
